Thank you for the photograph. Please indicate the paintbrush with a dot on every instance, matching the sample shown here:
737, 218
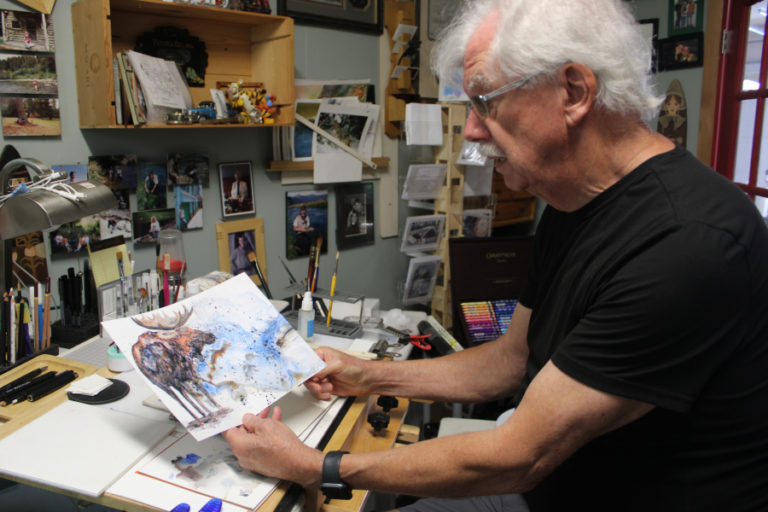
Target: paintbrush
333, 289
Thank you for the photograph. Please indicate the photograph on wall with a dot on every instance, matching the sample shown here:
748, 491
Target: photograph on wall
306, 221
476, 223
28, 257
236, 181
189, 206
188, 169
150, 191
75, 173
148, 224
685, 16
118, 172
27, 31
240, 362
422, 233
681, 52
74, 237
354, 214
28, 73
420, 282
240, 245
307, 89
673, 118
116, 221
30, 116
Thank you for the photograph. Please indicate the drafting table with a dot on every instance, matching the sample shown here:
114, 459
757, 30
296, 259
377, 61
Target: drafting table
352, 434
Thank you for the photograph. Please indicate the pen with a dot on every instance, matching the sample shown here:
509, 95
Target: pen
47, 314
333, 289
166, 284
24, 378
6, 321
60, 380
12, 326
317, 263
19, 392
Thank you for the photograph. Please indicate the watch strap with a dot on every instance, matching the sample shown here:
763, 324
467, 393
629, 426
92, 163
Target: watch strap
331, 484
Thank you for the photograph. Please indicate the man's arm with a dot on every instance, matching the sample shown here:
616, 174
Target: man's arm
556, 417
488, 371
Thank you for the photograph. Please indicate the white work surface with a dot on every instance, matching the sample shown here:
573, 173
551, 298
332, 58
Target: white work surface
88, 448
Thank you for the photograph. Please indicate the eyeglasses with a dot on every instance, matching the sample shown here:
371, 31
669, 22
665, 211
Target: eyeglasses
481, 102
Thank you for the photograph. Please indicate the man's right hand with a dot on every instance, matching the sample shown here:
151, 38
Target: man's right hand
343, 375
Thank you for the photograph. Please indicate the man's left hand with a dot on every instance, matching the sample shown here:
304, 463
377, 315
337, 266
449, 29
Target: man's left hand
268, 447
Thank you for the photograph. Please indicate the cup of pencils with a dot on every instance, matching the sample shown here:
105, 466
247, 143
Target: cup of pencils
171, 264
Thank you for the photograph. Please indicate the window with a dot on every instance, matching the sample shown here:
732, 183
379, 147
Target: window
740, 131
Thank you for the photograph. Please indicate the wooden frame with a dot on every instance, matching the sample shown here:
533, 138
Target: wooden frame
226, 238
357, 15
680, 52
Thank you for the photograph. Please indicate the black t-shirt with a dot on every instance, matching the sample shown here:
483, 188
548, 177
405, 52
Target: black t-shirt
657, 290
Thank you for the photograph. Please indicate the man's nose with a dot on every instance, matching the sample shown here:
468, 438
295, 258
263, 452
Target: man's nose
475, 129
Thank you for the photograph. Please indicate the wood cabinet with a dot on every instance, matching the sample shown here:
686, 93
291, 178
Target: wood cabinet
240, 45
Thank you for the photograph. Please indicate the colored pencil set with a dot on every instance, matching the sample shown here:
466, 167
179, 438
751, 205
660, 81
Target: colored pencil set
25, 322
487, 320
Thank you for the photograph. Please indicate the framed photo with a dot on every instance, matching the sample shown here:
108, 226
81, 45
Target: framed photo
679, 52
650, 28
236, 241
422, 233
357, 15
685, 16
354, 214
306, 222
236, 188
420, 283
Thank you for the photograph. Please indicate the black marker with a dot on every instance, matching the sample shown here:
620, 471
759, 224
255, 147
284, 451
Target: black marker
27, 376
59, 381
20, 390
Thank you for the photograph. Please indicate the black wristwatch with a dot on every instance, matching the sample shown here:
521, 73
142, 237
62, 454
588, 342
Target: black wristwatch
331, 484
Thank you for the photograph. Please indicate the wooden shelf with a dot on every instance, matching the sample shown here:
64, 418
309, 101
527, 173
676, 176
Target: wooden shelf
240, 46
309, 165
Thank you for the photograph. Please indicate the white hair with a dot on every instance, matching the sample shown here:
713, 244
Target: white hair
535, 38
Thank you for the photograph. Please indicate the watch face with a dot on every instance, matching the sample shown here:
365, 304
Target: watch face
336, 490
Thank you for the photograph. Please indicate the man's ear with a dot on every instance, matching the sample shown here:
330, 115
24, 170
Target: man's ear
581, 89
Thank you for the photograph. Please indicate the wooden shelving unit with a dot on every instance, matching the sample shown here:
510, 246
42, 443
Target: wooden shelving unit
240, 46
450, 203
309, 165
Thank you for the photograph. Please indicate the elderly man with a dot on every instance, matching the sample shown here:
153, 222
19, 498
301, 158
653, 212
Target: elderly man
640, 346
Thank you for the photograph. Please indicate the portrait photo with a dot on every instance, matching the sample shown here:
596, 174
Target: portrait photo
306, 221
237, 242
354, 214
75, 173
151, 188
236, 180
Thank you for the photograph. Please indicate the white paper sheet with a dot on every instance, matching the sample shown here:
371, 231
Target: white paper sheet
423, 125
93, 447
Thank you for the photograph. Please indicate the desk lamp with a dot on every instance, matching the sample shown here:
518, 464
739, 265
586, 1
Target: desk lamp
44, 202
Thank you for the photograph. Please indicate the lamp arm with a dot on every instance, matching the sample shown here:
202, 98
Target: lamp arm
37, 170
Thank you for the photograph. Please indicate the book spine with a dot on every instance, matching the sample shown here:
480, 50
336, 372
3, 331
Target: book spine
136, 96
127, 88
118, 98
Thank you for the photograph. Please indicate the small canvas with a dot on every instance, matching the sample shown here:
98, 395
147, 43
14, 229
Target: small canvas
217, 355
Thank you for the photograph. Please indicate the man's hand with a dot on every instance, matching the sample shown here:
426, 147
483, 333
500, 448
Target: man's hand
343, 375
270, 448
